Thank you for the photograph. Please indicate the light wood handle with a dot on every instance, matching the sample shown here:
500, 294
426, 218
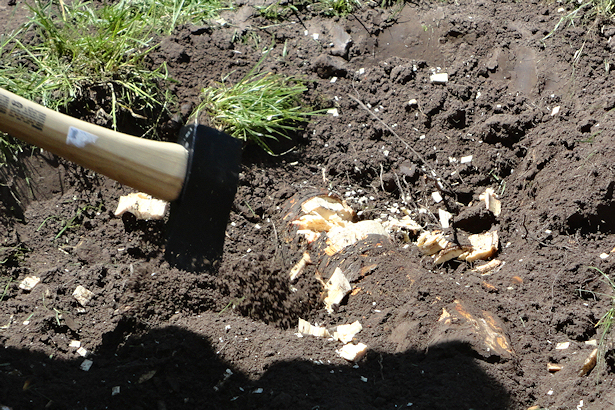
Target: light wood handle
154, 167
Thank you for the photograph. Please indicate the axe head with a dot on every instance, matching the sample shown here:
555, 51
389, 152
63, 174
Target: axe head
198, 218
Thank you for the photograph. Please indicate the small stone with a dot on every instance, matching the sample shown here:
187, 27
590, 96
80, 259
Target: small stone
115, 390
330, 66
341, 42
562, 346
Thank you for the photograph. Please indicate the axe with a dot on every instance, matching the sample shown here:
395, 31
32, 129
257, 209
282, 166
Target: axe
198, 175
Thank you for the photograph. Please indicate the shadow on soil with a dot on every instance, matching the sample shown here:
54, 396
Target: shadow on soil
170, 368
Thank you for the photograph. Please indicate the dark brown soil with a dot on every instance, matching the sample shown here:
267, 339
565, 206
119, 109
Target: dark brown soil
168, 339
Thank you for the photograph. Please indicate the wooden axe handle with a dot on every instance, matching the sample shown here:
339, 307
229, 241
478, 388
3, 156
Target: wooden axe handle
155, 167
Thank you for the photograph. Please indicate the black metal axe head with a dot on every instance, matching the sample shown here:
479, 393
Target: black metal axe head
198, 218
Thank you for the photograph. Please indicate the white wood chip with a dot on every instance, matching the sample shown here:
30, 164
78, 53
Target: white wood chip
86, 365
334, 112
82, 295
142, 206
305, 328
445, 218
352, 353
345, 333
439, 78
337, 287
29, 283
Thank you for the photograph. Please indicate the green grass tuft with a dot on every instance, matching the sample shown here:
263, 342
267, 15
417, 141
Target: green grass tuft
587, 11
608, 319
258, 107
337, 7
84, 53
276, 12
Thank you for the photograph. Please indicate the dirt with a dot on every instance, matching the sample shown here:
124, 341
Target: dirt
159, 337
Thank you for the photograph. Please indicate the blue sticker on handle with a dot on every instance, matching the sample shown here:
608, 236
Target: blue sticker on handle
79, 138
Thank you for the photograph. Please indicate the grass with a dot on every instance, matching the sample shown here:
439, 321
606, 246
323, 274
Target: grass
593, 9
97, 55
337, 7
257, 108
604, 8
608, 319
10, 148
70, 223
6, 288
276, 12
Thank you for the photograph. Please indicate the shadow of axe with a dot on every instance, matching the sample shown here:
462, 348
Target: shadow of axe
198, 175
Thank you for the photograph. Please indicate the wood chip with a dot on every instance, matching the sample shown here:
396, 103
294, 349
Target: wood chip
352, 353
553, 368
488, 267
430, 243
146, 376
345, 333
451, 251
82, 295
336, 288
298, 269
492, 203
142, 206
29, 283
484, 246
439, 78
406, 224
305, 328
340, 237
590, 363
86, 365
445, 218
328, 207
